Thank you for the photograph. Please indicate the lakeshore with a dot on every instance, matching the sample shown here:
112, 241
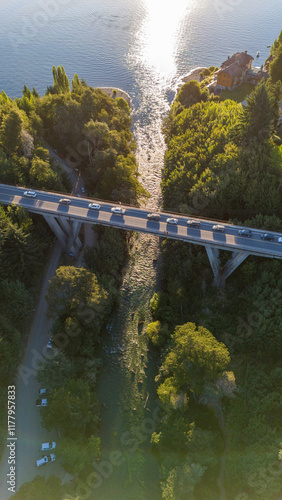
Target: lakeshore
119, 93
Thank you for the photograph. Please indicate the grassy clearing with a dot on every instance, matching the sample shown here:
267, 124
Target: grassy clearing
238, 94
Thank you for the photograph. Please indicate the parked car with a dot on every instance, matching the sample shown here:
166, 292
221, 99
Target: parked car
30, 194
193, 223
172, 221
153, 216
65, 201
94, 206
218, 227
267, 237
46, 460
50, 343
245, 232
48, 446
41, 402
43, 392
118, 210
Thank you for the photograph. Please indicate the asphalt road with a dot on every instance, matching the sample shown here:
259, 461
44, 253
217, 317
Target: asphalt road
29, 432
136, 219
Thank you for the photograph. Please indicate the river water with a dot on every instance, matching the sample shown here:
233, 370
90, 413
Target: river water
143, 47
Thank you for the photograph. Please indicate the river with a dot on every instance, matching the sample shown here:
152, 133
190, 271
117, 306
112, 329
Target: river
143, 47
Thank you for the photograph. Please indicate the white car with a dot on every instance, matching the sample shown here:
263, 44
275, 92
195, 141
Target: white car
46, 460
43, 392
30, 194
218, 227
172, 221
50, 343
94, 206
118, 210
41, 402
48, 446
279, 240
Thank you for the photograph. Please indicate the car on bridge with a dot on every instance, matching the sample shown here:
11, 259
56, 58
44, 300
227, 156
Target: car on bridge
172, 221
118, 210
219, 228
245, 232
193, 223
30, 194
267, 237
94, 206
48, 446
153, 216
65, 201
46, 460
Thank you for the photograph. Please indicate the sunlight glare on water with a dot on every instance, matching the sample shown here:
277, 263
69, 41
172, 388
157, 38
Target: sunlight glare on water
159, 32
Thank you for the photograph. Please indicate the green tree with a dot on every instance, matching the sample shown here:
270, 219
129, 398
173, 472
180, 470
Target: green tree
257, 119
41, 488
77, 454
11, 131
77, 290
61, 83
195, 357
71, 409
191, 93
16, 301
275, 67
19, 254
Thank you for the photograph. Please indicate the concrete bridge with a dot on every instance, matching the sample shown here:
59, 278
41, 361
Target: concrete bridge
66, 220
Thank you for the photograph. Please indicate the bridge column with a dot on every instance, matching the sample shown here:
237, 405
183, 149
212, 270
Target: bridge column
213, 255
232, 264
56, 228
65, 225
74, 242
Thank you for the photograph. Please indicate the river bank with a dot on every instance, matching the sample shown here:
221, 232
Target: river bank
194, 74
113, 91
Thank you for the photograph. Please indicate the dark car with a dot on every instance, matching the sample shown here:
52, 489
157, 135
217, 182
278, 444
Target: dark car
153, 216
267, 237
245, 232
193, 223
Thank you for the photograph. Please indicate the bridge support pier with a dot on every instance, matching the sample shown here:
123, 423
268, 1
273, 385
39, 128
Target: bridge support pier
221, 274
66, 231
213, 255
56, 228
232, 264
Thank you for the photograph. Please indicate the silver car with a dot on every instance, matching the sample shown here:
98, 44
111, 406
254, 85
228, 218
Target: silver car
218, 227
46, 460
118, 210
48, 446
94, 206
30, 194
172, 221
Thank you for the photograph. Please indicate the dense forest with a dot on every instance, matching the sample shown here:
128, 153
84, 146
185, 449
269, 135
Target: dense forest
85, 125
219, 348
98, 129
